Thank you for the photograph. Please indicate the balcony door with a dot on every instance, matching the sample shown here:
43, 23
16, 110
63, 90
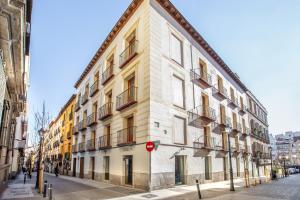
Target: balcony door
207, 142
108, 97
84, 117
203, 69
222, 114
131, 88
234, 120
224, 140
205, 104
107, 133
130, 124
232, 94
130, 40
220, 83
94, 110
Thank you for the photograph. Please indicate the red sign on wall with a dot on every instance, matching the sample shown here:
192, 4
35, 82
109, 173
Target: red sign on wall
150, 146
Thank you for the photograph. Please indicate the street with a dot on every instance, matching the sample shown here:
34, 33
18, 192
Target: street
75, 188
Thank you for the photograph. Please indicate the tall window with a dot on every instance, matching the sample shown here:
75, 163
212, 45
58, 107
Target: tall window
178, 92
176, 49
179, 130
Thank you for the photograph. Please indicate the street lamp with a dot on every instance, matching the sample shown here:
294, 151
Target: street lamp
270, 151
228, 130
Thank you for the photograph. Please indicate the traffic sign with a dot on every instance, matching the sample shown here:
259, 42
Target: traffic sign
150, 146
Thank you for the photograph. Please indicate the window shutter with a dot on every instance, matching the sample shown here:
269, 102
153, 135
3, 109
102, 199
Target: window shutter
179, 130
178, 92
176, 49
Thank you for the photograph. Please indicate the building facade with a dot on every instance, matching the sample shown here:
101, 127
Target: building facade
15, 19
66, 116
155, 78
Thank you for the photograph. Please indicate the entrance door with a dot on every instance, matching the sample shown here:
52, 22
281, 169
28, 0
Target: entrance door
106, 167
81, 174
128, 170
225, 168
179, 170
93, 167
74, 167
208, 175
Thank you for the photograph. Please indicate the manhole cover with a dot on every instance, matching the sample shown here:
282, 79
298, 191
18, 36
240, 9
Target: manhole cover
149, 196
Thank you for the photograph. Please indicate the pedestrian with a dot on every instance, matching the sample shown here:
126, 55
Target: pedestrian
56, 170
25, 177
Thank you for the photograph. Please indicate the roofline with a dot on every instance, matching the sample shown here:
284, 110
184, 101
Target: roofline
172, 10
111, 36
67, 104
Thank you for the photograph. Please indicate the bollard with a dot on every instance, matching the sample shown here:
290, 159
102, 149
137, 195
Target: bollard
45, 189
50, 191
198, 189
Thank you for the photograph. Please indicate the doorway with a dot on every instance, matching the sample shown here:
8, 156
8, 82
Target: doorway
93, 167
130, 123
179, 170
74, 167
208, 166
106, 167
81, 173
128, 169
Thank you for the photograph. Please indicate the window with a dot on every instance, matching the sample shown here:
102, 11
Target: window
176, 49
178, 92
179, 130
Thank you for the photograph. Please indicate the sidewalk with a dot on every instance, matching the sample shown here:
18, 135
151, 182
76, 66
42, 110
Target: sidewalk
17, 189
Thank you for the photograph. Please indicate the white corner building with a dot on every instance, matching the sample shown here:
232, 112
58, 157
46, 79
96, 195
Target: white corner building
155, 78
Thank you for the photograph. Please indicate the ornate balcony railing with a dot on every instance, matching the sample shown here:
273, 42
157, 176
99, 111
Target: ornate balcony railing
201, 78
92, 119
94, 88
127, 98
107, 74
203, 145
220, 92
233, 102
105, 111
129, 53
242, 109
90, 145
126, 136
84, 98
74, 148
81, 147
201, 116
75, 129
82, 125
104, 142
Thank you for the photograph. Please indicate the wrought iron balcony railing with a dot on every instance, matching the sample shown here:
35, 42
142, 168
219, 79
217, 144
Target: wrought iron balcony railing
127, 98
128, 54
126, 136
94, 88
107, 74
104, 142
201, 78
92, 119
105, 111
201, 116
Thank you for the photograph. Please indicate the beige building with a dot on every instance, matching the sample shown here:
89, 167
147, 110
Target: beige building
15, 19
155, 78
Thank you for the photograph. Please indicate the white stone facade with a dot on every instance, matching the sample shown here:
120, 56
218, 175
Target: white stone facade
163, 108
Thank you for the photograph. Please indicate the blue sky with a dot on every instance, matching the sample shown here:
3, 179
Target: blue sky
259, 40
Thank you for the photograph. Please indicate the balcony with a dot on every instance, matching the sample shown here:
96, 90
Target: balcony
92, 119
82, 125
81, 147
90, 145
127, 98
74, 148
235, 151
203, 146
126, 136
219, 92
201, 116
236, 128
225, 122
94, 88
75, 129
69, 135
104, 142
245, 151
221, 151
242, 109
107, 74
201, 78
105, 111
129, 53
245, 133
77, 106
84, 98
233, 102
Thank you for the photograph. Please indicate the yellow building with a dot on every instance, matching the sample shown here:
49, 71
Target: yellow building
66, 117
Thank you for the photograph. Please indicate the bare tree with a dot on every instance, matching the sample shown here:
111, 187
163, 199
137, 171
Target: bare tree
41, 123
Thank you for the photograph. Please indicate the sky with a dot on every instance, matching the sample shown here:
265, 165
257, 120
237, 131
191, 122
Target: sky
259, 40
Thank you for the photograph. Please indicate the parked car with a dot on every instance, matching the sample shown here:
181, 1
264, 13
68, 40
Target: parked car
291, 170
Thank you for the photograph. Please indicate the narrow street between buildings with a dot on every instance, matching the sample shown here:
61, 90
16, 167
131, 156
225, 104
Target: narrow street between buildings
65, 187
